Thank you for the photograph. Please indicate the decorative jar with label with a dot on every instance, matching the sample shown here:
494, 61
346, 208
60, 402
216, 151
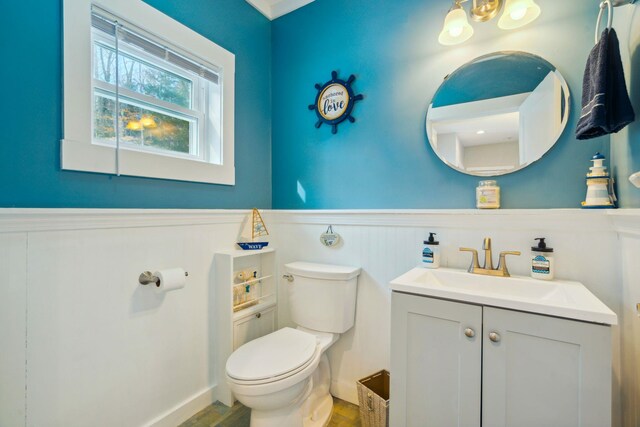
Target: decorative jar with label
488, 195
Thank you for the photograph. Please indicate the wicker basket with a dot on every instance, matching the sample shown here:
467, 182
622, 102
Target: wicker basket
373, 396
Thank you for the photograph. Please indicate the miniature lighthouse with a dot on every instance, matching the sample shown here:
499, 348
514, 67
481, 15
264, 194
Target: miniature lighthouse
599, 185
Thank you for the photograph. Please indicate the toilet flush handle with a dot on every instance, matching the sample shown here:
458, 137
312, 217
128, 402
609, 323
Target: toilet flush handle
289, 277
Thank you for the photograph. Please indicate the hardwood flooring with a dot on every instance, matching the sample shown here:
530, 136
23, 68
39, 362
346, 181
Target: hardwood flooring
344, 414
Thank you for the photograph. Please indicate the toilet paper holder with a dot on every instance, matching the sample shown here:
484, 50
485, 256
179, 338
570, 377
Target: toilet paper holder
147, 277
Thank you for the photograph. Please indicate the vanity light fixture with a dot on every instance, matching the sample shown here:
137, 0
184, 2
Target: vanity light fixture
485, 10
456, 28
518, 13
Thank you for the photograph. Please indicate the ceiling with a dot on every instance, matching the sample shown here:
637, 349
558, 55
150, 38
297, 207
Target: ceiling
498, 128
273, 9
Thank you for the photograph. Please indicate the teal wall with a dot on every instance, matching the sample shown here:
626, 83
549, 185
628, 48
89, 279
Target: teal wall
31, 75
384, 159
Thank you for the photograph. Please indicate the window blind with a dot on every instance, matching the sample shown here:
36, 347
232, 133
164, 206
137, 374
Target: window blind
101, 21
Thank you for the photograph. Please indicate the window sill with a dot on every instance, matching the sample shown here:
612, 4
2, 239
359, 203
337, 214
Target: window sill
80, 156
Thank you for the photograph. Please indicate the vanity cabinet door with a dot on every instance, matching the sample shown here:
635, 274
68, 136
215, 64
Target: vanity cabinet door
544, 371
435, 366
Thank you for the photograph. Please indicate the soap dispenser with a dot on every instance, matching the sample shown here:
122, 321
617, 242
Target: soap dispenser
431, 252
542, 261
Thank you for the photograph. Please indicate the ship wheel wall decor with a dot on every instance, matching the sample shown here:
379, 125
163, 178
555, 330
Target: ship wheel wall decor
335, 101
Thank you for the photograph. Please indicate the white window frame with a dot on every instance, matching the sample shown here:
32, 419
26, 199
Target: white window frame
79, 153
131, 97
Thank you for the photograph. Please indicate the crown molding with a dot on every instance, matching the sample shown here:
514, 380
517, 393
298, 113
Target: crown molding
273, 9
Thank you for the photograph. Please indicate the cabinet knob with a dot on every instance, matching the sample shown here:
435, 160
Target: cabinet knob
494, 336
259, 315
470, 332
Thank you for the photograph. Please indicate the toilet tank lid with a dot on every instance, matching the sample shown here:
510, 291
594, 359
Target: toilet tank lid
322, 271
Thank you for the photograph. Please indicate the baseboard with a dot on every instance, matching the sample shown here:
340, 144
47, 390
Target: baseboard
186, 409
345, 390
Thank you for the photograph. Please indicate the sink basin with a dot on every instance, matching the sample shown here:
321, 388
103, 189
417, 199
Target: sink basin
560, 298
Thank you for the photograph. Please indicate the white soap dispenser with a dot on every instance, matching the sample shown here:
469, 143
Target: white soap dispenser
542, 264
431, 252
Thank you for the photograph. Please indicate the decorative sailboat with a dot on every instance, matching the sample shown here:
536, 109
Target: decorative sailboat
258, 229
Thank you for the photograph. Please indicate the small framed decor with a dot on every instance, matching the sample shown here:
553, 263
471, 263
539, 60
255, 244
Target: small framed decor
335, 101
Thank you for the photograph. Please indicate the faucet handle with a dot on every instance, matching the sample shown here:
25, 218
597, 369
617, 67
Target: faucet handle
486, 243
510, 253
502, 264
474, 260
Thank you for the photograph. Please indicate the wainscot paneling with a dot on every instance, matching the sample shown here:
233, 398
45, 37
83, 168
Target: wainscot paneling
13, 331
630, 326
83, 342
387, 243
81, 335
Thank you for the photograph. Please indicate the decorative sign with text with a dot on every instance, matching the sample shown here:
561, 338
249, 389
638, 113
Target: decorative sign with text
335, 101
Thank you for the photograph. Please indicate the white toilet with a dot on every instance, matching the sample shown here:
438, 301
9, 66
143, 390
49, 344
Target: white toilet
284, 377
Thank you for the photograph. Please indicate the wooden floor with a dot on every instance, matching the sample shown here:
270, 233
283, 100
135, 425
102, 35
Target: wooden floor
345, 414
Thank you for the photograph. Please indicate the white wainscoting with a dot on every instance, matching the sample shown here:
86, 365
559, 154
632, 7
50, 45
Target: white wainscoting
388, 243
94, 347
628, 227
13, 303
84, 344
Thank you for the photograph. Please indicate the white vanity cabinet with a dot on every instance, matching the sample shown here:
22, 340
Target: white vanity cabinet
460, 364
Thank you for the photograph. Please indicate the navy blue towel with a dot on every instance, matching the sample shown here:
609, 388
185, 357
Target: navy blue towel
606, 107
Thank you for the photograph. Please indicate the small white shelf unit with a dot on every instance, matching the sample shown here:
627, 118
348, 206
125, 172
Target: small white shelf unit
245, 308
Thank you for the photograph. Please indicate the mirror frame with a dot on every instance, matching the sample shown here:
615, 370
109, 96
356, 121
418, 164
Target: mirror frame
563, 125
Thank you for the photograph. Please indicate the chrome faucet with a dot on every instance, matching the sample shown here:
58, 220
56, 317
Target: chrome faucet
487, 269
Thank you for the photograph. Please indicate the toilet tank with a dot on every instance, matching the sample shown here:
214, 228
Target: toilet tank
322, 297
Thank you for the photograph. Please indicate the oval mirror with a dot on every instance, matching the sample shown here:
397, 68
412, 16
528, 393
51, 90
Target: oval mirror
498, 113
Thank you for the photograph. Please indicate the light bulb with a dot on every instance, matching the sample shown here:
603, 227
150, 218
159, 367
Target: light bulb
456, 28
455, 31
518, 13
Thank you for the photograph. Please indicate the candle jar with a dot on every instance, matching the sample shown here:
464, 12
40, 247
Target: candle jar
488, 195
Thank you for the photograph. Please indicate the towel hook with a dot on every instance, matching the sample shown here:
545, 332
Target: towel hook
605, 4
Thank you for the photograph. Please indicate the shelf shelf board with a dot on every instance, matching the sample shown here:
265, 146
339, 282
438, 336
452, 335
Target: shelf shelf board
239, 253
252, 281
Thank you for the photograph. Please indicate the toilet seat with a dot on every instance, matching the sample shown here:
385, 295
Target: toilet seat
307, 347
272, 357
274, 379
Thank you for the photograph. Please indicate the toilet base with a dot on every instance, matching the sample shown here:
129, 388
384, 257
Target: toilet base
313, 409
321, 415
319, 405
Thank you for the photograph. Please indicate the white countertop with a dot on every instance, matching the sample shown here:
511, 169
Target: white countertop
561, 298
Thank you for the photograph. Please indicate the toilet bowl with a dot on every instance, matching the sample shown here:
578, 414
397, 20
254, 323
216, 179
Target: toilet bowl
284, 377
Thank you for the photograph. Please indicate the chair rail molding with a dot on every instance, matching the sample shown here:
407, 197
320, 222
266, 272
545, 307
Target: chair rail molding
24, 220
625, 221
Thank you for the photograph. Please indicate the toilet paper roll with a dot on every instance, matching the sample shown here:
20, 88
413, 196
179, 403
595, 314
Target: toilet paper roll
170, 279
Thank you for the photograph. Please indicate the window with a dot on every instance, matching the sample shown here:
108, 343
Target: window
156, 109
